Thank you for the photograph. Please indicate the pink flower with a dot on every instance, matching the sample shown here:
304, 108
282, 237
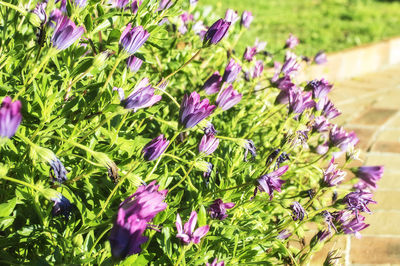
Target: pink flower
187, 234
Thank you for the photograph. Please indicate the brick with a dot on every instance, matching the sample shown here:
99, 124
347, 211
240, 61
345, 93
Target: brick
382, 223
387, 200
389, 99
375, 116
389, 181
394, 123
375, 250
390, 161
363, 134
392, 135
386, 146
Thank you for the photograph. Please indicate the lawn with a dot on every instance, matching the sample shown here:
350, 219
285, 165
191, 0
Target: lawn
331, 25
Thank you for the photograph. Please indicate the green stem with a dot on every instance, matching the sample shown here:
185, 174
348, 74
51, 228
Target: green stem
20, 10
21, 183
179, 69
183, 178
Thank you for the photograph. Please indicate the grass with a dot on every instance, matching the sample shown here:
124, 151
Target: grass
330, 25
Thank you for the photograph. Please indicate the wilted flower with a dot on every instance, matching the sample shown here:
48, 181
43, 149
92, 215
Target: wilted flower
62, 206
357, 201
247, 18
369, 176
332, 175
216, 263
193, 110
65, 33
270, 182
290, 66
118, 3
338, 137
249, 53
213, 83
216, 32
332, 259
291, 42
260, 46
134, 63
207, 173
298, 211
282, 157
228, 97
329, 220
217, 210
142, 97
320, 58
133, 38
208, 144
231, 71
187, 234
249, 147
40, 11
133, 215
231, 16
284, 234
327, 108
10, 117
155, 148
59, 173
299, 101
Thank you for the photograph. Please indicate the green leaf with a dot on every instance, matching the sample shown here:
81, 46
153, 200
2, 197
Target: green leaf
7, 208
202, 216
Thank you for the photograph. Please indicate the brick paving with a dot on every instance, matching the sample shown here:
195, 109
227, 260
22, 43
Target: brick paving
371, 107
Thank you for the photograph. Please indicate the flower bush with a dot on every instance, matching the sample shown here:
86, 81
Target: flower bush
250, 159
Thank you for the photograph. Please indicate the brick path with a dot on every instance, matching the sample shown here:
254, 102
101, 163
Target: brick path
371, 107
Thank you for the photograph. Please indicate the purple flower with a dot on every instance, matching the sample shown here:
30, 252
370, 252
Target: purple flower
63, 5
322, 149
298, 212
213, 83
186, 17
333, 176
283, 157
187, 234
284, 83
193, 2
284, 234
291, 42
208, 144
231, 16
118, 3
290, 66
155, 148
10, 117
133, 38
210, 130
193, 110
249, 53
135, 6
80, 3
59, 173
357, 201
228, 97
55, 16
62, 206
231, 71
270, 182
216, 263
369, 176
329, 220
207, 174
338, 137
328, 109
350, 224
260, 46
217, 210
320, 58
249, 147
165, 4
299, 101
142, 97
133, 215
216, 32
65, 33
320, 88
134, 63
247, 18
258, 69
40, 11
321, 124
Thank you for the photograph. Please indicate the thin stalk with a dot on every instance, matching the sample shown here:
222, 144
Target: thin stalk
20, 10
183, 179
179, 69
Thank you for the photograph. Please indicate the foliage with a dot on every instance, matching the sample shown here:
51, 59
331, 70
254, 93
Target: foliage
72, 116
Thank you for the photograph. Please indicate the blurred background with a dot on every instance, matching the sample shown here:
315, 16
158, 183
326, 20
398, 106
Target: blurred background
330, 25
